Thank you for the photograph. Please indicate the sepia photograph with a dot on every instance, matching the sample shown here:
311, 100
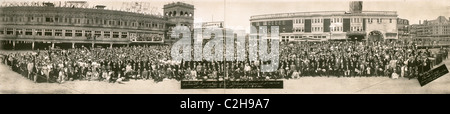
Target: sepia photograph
224, 47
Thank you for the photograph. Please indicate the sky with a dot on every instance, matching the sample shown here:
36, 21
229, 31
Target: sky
236, 13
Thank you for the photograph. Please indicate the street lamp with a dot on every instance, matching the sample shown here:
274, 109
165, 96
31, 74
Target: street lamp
332, 26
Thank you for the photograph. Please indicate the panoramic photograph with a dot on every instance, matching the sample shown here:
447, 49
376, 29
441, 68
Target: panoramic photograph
224, 47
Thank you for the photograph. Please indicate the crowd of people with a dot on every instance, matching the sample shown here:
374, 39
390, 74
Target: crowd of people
332, 58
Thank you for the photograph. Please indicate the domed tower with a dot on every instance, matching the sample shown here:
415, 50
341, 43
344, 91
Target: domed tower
180, 14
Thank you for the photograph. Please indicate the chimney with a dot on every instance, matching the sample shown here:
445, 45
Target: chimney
420, 22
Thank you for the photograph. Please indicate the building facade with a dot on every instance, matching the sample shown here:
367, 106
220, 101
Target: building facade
403, 27
51, 25
331, 25
179, 14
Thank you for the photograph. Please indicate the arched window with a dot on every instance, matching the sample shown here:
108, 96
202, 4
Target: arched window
174, 13
190, 15
181, 13
186, 14
170, 14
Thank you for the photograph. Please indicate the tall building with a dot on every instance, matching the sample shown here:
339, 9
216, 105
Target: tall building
71, 25
439, 27
331, 25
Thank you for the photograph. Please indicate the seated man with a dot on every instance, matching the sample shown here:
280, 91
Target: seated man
61, 76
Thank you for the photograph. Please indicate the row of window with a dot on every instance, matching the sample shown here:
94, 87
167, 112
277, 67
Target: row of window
82, 21
66, 33
316, 21
284, 37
